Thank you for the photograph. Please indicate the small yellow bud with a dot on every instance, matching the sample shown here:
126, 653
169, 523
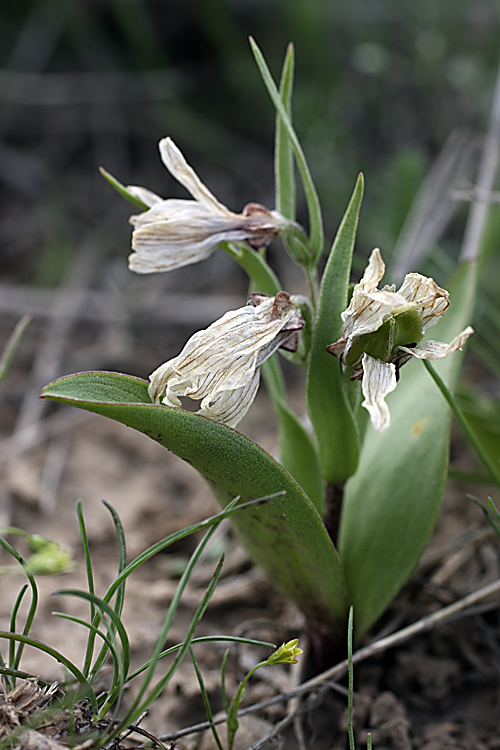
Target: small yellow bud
286, 653
51, 559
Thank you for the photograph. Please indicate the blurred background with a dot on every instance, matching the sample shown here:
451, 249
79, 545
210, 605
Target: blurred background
399, 90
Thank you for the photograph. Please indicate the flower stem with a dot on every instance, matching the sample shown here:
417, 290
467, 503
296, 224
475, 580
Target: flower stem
312, 280
469, 432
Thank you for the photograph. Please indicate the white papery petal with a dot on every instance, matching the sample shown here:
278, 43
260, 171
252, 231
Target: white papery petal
173, 233
374, 272
438, 350
176, 233
379, 379
364, 314
183, 173
376, 308
229, 407
219, 366
144, 195
431, 299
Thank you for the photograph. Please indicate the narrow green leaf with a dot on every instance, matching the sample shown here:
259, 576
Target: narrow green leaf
262, 277
202, 639
90, 585
392, 502
328, 399
314, 208
13, 342
86, 689
14, 661
285, 536
482, 411
206, 700
284, 174
122, 190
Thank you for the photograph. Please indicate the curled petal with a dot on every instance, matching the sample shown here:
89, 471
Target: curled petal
183, 173
229, 407
375, 309
173, 233
365, 314
176, 233
432, 301
374, 272
219, 366
379, 379
438, 350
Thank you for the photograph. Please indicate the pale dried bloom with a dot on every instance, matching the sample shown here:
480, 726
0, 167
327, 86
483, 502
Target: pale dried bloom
220, 366
382, 329
175, 232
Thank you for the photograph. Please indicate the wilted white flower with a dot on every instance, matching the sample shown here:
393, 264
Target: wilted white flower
382, 329
219, 366
175, 233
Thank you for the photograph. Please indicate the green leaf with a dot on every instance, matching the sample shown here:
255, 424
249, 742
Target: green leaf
313, 206
261, 275
284, 535
13, 342
299, 455
392, 502
482, 411
295, 240
327, 391
283, 152
122, 190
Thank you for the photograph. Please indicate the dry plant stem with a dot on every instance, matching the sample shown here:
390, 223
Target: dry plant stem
486, 176
383, 644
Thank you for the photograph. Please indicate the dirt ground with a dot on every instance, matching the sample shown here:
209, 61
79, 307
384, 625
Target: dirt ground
436, 691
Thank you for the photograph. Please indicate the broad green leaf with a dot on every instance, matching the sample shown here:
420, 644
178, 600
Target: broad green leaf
313, 206
284, 535
328, 399
392, 502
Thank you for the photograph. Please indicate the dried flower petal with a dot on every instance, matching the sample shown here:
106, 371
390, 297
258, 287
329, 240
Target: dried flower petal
219, 366
177, 232
379, 379
382, 329
438, 350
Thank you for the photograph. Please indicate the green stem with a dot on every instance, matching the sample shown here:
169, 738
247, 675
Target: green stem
469, 432
312, 280
232, 714
239, 693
